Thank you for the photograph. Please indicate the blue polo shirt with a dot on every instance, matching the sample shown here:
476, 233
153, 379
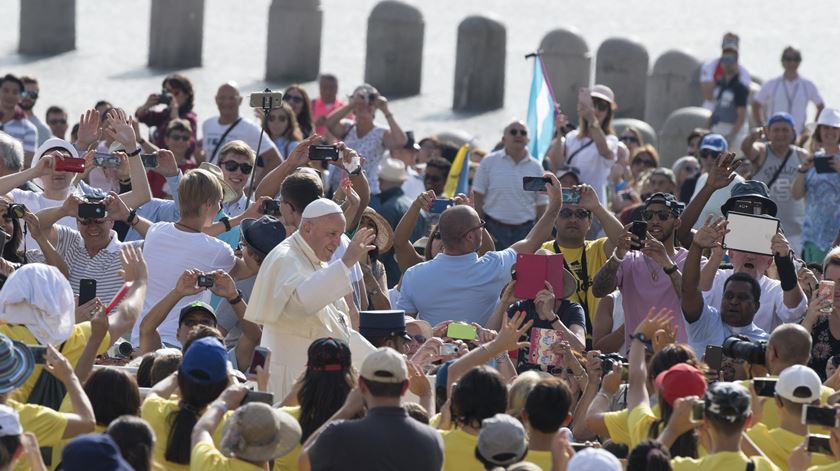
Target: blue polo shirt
710, 329
456, 287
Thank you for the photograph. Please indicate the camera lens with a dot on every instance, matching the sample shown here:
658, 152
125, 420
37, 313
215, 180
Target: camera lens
742, 348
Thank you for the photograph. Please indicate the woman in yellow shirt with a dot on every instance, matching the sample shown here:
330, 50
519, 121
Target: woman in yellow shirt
135, 439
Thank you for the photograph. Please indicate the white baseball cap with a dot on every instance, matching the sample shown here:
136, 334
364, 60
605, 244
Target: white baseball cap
385, 365
800, 384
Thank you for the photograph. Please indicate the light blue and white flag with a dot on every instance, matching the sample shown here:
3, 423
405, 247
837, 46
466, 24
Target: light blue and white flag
540, 118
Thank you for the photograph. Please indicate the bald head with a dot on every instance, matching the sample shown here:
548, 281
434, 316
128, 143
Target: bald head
454, 222
228, 100
791, 344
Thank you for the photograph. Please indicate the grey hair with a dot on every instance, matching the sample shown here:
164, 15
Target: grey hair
11, 152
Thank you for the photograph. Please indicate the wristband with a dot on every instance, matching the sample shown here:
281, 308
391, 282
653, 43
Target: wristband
616, 256
237, 299
787, 271
135, 152
226, 221
132, 215
671, 270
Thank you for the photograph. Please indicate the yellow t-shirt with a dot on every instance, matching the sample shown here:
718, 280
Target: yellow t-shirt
616, 423
778, 444
723, 461
205, 456
459, 451
540, 458
289, 462
829, 467
770, 417
59, 449
47, 425
72, 350
595, 259
638, 423
157, 411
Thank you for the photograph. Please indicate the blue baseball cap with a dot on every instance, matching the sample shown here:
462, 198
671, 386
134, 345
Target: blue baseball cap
205, 362
781, 117
714, 142
93, 452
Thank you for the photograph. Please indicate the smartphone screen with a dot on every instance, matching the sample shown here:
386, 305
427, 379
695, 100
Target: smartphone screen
713, 357
639, 229
533, 183
817, 415
570, 196
457, 330
765, 387
258, 359
149, 160
819, 444
39, 352
698, 411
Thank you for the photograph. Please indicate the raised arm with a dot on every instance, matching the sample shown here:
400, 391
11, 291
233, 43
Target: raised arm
799, 189
606, 280
299, 157
43, 168
334, 124
541, 231
51, 256
122, 320
599, 138
404, 251
395, 137
185, 286
611, 225
230, 399
719, 177
709, 236
751, 145
121, 131
637, 392
48, 218
81, 420
118, 211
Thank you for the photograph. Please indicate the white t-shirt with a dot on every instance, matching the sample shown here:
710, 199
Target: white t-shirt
791, 96
246, 131
36, 202
594, 168
716, 201
168, 252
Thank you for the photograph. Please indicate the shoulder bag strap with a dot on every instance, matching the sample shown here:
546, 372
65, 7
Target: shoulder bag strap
222, 139
778, 170
569, 159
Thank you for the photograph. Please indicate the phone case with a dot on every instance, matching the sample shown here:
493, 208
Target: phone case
70, 165
532, 271
540, 352
457, 330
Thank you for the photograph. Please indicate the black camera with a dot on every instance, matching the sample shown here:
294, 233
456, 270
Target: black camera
608, 360
164, 98
16, 211
204, 281
742, 348
271, 207
91, 211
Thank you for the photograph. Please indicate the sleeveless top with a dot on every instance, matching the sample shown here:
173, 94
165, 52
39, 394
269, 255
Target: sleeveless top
791, 212
371, 148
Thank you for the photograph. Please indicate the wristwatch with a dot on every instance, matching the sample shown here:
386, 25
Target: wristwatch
135, 152
237, 299
671, 270
226, 221
643, 338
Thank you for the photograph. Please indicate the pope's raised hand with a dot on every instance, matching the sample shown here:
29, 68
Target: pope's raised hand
359, 246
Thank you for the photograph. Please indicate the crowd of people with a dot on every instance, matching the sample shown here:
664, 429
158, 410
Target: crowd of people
309, 290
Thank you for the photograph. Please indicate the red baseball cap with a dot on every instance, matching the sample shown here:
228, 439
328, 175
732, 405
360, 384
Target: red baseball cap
681, 380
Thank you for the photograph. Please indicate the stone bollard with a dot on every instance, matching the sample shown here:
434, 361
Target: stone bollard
294, 40
622, 64
176, 33
47, 26
674, 83
675, 131
480, 65
568, 63
394, 60
648, 133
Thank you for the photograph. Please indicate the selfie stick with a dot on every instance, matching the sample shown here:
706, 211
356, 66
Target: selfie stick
266, 107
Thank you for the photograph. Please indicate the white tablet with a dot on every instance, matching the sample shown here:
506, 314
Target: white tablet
750, 233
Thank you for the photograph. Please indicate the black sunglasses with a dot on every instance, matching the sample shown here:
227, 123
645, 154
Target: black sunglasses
55, 122
629, 139
518, 132
579, 213
601, 105
480, 225
180, 137
231, 166
791, 59
706, 153
645, 162
663, 215
293, 98
195, 322
33, 95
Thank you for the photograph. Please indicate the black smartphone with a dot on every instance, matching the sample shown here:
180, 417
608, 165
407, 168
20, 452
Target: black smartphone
440, 205
534, 183
91, 211
87, 290
149, 160
638, 229
204, 281
271, 207
765, 387
698, 411
258, 359
626, 196
570, 195
823, 164
39, 352
3, 239
820, 415
257, 396
819, 444
323, 152
713, 357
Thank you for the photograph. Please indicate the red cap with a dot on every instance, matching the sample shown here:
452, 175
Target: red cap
681, 380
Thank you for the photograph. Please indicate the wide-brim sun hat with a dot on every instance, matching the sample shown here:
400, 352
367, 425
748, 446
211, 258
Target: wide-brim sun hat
16, 364
257, 432
228, 195
829, 117
384, 234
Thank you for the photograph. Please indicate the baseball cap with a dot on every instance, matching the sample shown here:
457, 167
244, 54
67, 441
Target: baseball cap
667, 199
681, 380
603, 92
714, 142
728, 401
205, 362
9, 422
800, 384
196, 306
385, 365
328, 354
93, 452
781, 117
594, 459
410, 141
729, 43
263, 234
566, 170
501, 440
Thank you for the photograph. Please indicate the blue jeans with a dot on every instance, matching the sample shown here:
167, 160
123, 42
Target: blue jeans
506, 235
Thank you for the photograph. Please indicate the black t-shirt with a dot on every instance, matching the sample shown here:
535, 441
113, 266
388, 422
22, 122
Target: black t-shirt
570, 314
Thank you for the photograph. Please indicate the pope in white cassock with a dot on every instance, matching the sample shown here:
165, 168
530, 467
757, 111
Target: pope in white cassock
298, 297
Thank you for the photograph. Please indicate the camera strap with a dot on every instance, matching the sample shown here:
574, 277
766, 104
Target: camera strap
222, 139
583, 283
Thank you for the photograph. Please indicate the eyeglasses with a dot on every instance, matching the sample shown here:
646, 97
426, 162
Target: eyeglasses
580, 213
631, 139
791, 59
33, 95
195, 322
601, 105
662, 214
231, 166
518, 132
55, 122
645, 162
706, 153
480, 225
282, 118
293, 98
87, 221
728, 59
180, 137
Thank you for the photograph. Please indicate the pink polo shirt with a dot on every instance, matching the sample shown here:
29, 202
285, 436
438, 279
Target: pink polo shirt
319, 108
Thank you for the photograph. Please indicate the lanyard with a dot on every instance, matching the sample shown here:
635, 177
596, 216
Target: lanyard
790, 96
583, 284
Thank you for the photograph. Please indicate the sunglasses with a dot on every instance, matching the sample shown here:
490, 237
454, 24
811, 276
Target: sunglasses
195, 322
231, 166
663, 215
580, 213
791, 59
518, 132
706, 153
480, 225
180, 137
55, 122
629, 139
293, 98
33, 95
645, 162
728, 60
601, 105
87, 222
282, 118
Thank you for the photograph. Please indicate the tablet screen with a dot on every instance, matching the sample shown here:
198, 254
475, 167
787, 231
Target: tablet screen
749, 233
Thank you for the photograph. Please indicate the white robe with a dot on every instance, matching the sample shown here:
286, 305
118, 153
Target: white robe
298, 299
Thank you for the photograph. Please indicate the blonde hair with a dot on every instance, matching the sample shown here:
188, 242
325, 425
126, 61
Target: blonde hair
832, 258
239, 148
197, 188
519, 390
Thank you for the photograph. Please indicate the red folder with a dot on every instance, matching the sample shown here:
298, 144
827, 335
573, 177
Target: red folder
532, 271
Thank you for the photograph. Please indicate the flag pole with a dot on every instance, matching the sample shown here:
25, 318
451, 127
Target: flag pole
539, 56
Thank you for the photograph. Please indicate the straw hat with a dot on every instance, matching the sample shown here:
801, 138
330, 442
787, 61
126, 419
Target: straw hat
384, 234
258, 432
16, 364
229, 194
